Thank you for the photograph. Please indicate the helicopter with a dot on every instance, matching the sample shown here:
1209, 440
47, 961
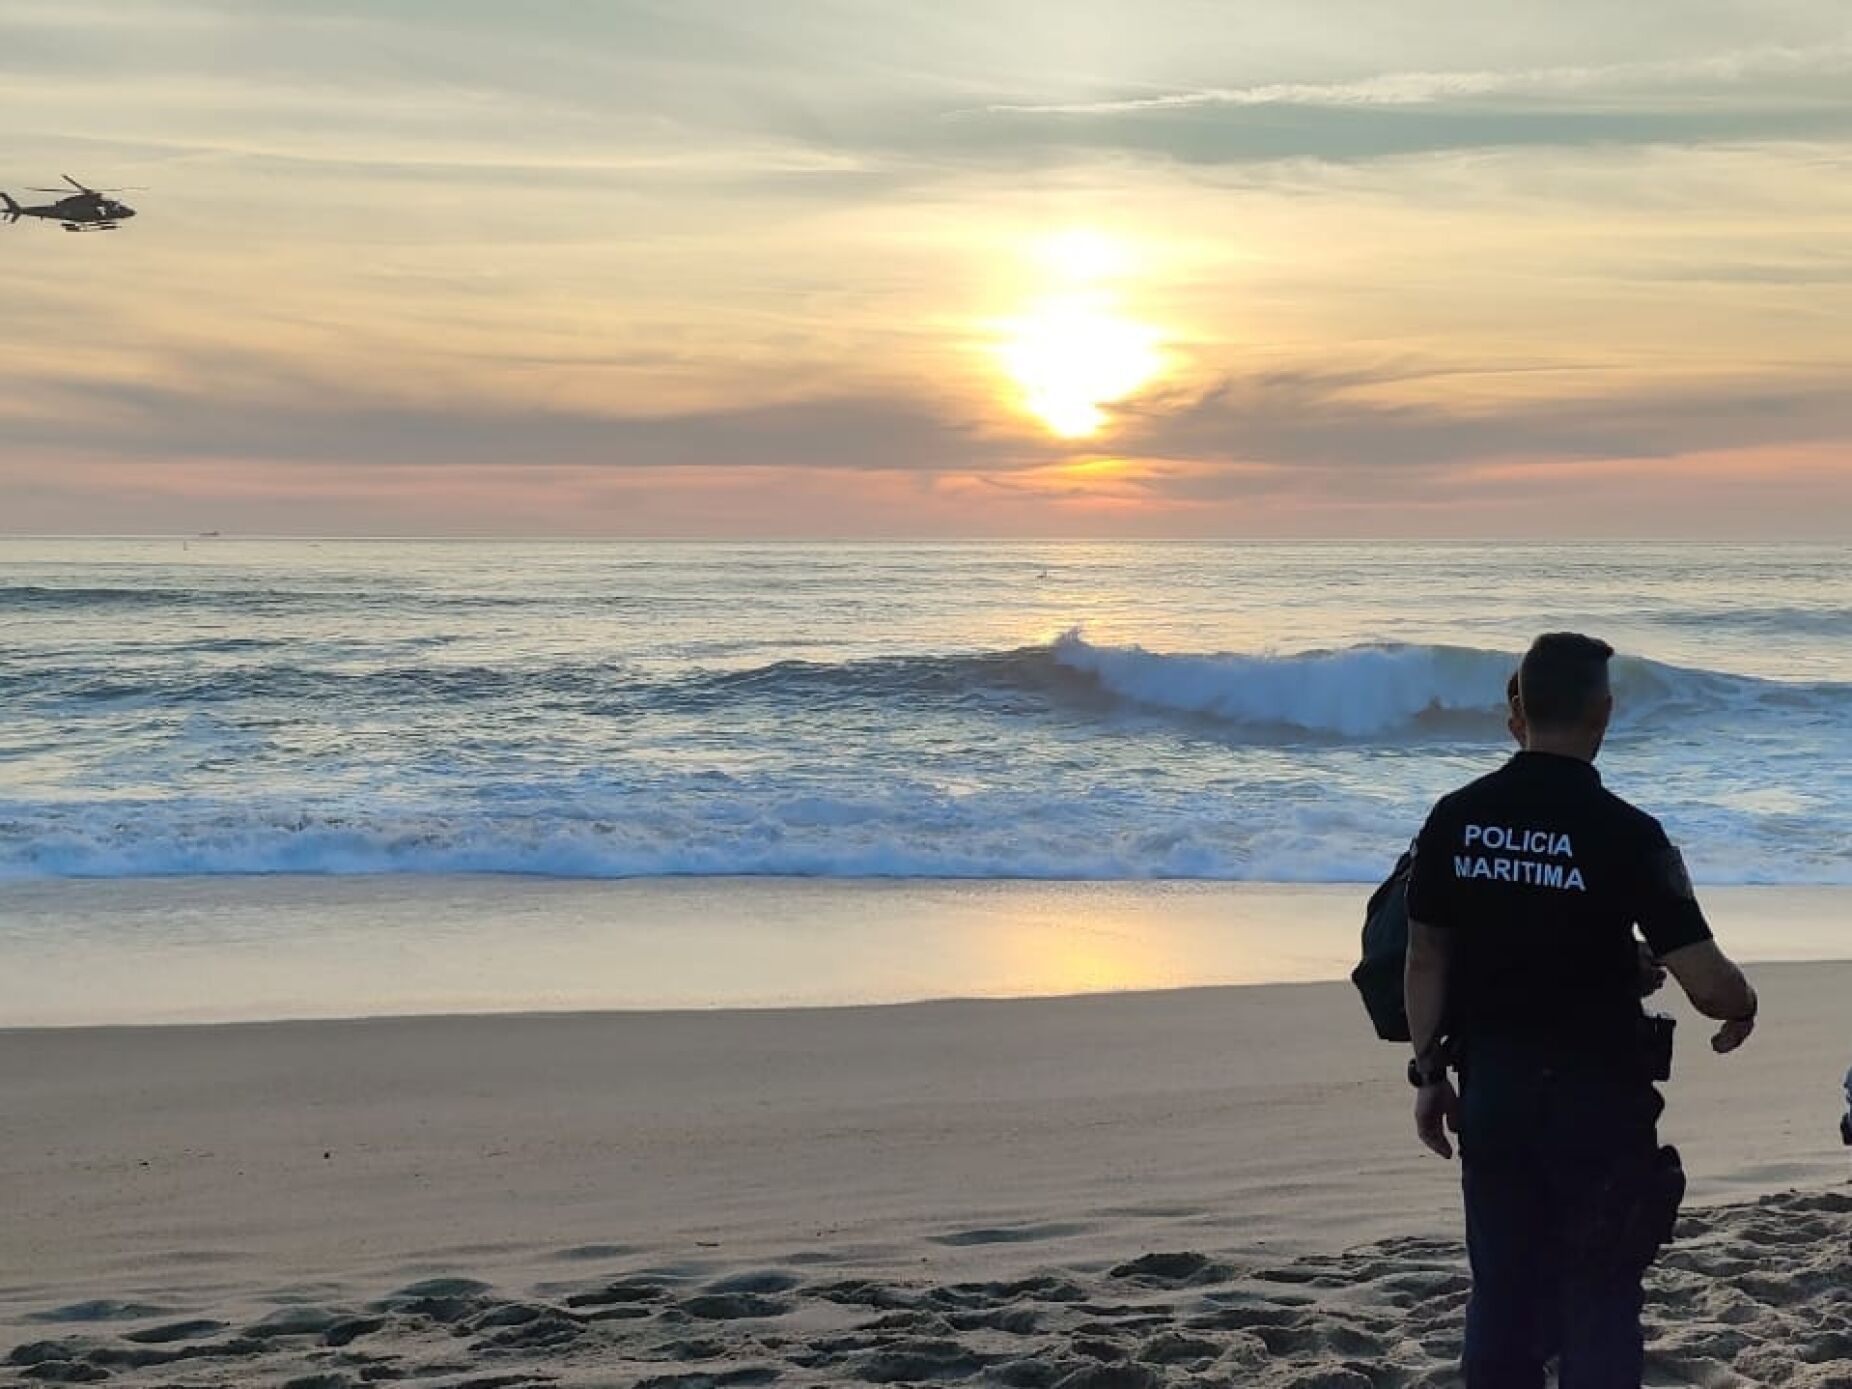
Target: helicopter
83, 211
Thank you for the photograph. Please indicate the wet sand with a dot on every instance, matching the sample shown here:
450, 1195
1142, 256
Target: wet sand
231, 949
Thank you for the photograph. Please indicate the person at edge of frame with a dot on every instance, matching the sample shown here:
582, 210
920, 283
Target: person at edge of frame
1845, 1120
1524, 891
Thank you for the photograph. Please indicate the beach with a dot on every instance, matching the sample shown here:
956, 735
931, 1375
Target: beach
711, 964
1209, 1185
709, 696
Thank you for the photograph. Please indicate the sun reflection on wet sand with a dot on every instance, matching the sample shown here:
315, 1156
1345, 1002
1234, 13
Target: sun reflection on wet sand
268, 947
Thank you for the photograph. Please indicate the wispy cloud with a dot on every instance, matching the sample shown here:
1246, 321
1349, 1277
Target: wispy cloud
1744, 71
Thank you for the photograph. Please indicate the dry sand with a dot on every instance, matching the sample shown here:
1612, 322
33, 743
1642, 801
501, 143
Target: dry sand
1213, 1186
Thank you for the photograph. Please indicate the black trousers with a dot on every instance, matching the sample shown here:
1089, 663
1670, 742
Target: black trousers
1550, 1157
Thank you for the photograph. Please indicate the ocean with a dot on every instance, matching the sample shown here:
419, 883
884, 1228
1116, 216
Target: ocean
1218, 711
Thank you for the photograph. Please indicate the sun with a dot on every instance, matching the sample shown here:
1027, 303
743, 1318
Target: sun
1072, 353
1073, 357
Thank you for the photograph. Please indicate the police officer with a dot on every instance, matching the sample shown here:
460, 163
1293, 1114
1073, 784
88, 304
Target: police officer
1525, 888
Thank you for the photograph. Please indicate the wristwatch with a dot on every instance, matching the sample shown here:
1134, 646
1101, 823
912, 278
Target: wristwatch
1421, 1076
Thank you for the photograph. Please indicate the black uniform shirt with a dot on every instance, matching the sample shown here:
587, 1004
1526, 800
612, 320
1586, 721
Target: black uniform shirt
1540, 873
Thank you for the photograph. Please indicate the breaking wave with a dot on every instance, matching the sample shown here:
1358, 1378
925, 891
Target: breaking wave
1356, 692
1361, 691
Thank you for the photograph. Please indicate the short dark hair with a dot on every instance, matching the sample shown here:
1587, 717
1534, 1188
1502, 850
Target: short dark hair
1561, 677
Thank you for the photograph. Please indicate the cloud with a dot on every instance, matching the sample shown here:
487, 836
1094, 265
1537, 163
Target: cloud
709, 92
1710, 74
156, 423
1770, 92
1341, 420
1400, 419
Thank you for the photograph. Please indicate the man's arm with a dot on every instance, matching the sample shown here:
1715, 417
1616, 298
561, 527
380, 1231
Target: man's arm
1667, 910
1717, 989
1424, 992
1424, 987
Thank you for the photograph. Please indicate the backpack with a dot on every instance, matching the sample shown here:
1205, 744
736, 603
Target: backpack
1378, 976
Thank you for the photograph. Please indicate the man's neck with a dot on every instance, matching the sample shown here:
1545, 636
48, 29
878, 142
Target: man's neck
1568, 743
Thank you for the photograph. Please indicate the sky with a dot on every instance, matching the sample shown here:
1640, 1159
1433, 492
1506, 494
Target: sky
1289, 268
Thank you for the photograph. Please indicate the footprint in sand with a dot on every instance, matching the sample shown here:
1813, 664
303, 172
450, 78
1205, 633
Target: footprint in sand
624, 1292
175, 1331
1173, 1269
98, 1310
732, 1306
1010, 1234
913, 1361
763, 1281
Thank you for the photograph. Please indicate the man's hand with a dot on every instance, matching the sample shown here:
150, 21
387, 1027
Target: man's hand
1652, 973
1735, 1031
1437, 1109
1733, 1034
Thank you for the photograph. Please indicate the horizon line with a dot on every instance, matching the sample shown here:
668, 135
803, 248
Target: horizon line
697, 539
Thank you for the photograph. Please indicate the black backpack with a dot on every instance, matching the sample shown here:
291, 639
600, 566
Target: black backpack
1378, 976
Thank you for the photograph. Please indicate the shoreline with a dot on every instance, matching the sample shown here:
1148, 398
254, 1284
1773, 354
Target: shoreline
178, 951
819, 1011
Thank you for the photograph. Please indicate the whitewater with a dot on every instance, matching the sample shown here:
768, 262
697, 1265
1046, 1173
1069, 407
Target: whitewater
1276, 713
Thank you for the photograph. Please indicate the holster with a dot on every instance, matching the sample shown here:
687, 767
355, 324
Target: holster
1635, 1213
1655, 1037
1654, 1214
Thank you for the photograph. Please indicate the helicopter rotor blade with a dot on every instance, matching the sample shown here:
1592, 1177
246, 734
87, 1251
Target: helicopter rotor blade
75, 184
